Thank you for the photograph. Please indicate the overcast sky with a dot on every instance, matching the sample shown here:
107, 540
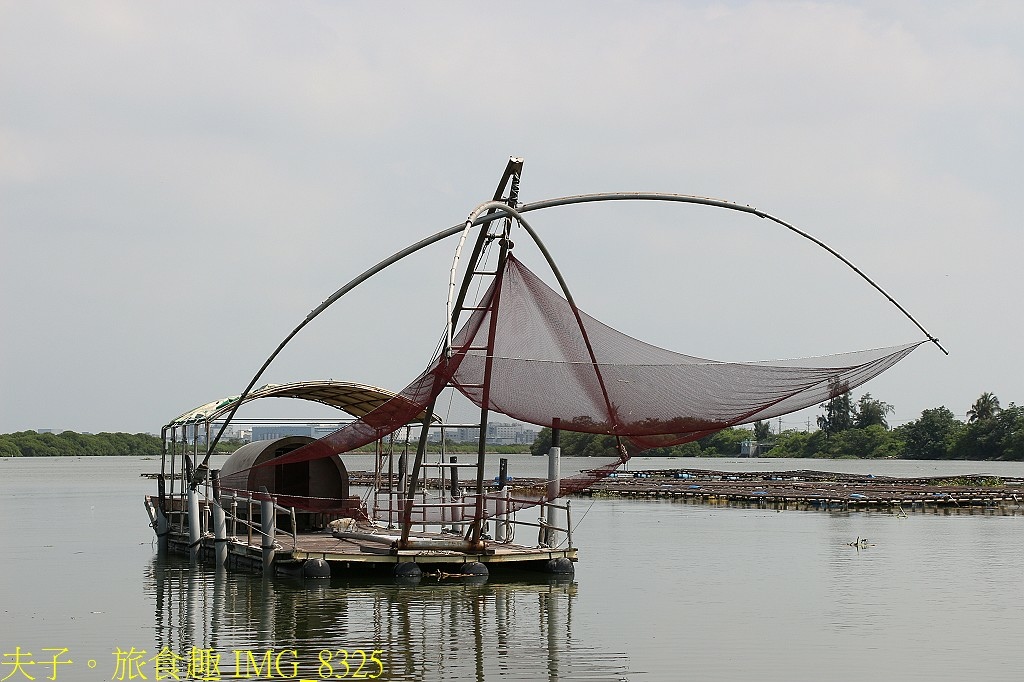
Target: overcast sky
182, 182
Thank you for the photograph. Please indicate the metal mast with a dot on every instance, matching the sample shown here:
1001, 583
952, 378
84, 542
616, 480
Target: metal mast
491, 229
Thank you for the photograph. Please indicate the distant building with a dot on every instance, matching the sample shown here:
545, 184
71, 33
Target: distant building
463, 435
752, 448
274, 432
280, 431
498, 433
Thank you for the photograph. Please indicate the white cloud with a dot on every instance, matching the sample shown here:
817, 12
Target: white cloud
182, 182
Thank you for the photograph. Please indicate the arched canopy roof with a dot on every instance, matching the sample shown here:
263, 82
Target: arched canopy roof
354, 399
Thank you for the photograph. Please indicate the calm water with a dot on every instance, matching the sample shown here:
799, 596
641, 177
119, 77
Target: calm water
663, 591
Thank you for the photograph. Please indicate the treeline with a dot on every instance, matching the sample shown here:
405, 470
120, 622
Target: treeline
990, 433
71, 444
725, 443
848, 429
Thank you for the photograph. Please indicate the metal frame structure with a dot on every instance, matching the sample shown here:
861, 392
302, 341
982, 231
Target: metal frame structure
495, 218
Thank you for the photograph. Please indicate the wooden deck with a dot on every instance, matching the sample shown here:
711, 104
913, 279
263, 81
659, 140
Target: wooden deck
354, 556
325, 546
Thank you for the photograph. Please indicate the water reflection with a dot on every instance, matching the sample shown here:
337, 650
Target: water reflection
434, 630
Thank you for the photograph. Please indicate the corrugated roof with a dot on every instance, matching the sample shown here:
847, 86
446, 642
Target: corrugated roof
355, 399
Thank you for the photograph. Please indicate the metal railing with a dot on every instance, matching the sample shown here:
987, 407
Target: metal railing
253, 500
177, 515
460, 513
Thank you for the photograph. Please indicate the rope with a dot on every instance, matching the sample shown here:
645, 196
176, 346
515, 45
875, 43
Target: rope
582, 517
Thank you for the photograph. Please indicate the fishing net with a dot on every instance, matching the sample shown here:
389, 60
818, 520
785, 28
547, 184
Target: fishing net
551, 361
551, 364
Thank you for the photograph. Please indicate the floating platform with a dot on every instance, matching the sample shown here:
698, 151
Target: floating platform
370, 552
348, 556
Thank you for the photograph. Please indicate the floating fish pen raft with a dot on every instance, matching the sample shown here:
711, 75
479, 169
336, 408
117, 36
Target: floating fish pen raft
514, 345
801, 489
816, 489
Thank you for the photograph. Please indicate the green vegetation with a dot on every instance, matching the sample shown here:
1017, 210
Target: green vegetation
989, 433
472, 448
725, 443
71, 444
848, 429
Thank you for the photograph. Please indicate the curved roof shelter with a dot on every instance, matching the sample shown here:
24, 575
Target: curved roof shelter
354, 399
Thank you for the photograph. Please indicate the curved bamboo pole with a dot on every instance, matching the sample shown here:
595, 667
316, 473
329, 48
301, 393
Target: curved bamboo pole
501, 210
683, 198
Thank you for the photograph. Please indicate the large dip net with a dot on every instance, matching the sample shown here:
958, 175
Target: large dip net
528, 353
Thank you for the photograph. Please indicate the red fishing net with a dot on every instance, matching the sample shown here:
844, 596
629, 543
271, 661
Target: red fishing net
544, 368
550, 361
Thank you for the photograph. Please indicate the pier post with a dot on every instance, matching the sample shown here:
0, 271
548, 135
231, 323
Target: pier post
163, 525
268, 529
554, 478
500, 524
220, 534
403, 481
456, 495
442, 475
403, 473
193, 522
